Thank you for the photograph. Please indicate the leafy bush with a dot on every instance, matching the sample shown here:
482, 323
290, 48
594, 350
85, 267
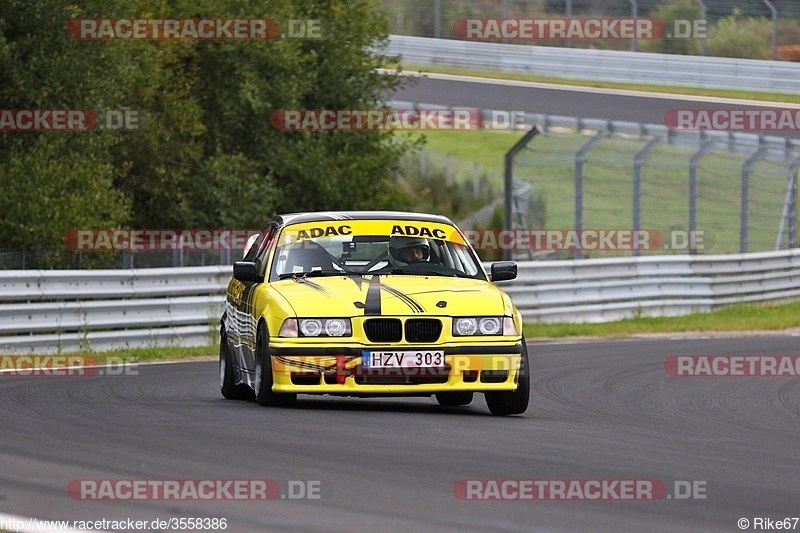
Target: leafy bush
669, 11
742, 37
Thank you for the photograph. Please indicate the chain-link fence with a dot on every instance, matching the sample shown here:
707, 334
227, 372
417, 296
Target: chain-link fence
697, 192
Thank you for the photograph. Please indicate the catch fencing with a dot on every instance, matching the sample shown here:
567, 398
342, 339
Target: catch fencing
727, 192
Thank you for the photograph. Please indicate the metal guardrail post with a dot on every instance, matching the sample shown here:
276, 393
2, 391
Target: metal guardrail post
774, 15
747, 168
789, 208
638, 161
568, 14
793, 206
437, 19
704, 17
509, 182
580, 159
793, 212
504, 8
694, 164
634, 14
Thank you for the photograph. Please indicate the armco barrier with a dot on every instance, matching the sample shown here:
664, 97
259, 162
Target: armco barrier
601, 65
600, 290
67, 311
48, 311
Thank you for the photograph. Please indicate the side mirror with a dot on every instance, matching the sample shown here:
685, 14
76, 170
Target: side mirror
246, 271
504, 271
250, 240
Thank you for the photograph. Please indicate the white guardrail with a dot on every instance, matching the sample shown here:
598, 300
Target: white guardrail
49, 311
68, 311
601, 65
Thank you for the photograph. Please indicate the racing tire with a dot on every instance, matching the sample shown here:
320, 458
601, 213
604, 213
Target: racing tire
502, 403
227, 374
454, 399
264, 379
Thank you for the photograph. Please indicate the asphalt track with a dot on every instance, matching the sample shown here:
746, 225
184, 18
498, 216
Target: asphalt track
599, 410
559, 100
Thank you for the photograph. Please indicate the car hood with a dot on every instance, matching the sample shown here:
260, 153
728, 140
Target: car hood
392, 295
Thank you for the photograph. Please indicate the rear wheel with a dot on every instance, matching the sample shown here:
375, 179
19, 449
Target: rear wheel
263, 378
227, 374
502, 403
454, 399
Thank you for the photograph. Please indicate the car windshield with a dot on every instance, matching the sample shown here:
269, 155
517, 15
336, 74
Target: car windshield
375, 247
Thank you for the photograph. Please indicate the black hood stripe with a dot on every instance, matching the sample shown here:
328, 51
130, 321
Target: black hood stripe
406, 299
319, 288
372, 306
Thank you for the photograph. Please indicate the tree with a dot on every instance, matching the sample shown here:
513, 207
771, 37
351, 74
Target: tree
206, 154
54, 181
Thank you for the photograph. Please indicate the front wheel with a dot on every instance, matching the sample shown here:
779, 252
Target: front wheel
263, 378
502, 403
227, 374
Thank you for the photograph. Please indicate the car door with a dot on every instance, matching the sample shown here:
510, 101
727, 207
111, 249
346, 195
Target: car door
259, 254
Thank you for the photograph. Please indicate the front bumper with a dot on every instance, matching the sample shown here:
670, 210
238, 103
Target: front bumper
339, 370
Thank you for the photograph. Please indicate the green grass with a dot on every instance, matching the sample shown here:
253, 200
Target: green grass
485, 147
742, 317
166, 353
549, 165
645, 87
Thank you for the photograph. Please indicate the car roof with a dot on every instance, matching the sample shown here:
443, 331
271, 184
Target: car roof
327, 216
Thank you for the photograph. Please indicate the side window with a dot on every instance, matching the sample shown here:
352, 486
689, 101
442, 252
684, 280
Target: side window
251, 252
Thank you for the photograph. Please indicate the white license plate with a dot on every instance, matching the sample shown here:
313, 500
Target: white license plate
403, 359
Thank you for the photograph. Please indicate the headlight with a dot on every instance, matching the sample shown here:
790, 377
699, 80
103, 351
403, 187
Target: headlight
337, 327
316, 327
465, 326
311, 327
486, 325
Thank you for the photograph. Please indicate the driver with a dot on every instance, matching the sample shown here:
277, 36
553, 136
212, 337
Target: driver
407, 250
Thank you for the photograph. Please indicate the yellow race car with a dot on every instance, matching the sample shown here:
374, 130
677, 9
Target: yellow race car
370, 304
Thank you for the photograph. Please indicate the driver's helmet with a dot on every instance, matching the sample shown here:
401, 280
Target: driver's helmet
407, 250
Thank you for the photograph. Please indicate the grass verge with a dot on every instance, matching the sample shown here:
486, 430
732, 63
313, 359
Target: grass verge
741, 317
644, 87
549, 164
138, 355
